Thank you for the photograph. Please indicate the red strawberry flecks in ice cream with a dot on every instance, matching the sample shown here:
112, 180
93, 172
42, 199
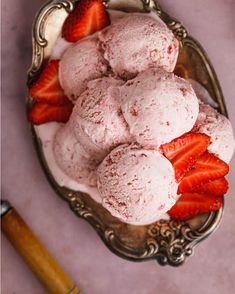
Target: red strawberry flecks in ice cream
136, 42
122, 182
155, 96
99, 127
95, 53
75, 72
72, 158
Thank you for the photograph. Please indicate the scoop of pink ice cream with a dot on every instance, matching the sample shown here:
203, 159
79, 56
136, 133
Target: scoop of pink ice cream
136, 185
81, 63
158, 106
72, 158
137, 41
219, 128
97, 120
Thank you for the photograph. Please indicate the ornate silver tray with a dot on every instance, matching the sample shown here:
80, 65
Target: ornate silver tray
169, 242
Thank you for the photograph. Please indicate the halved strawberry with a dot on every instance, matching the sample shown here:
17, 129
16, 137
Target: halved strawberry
216, 187
88, 17
47, 89
191, 204
184, 151
208, 167
43, 112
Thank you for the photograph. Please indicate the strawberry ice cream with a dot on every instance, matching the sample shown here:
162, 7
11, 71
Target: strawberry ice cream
219, 128
131, 133
81, 63
72, 158
135, 42
97, 120
136, 185
158, 107
117, 50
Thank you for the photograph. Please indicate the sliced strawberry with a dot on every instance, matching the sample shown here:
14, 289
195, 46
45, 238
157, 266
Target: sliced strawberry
191, 204
42, 113
47, 89
216, 187
208, 167
88, 17
184, 151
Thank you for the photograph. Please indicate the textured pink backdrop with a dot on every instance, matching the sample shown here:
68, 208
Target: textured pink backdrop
73, 242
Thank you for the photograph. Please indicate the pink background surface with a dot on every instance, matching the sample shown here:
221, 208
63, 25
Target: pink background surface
71, 240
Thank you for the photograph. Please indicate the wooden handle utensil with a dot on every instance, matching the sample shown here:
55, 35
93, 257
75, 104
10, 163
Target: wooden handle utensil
48, 271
